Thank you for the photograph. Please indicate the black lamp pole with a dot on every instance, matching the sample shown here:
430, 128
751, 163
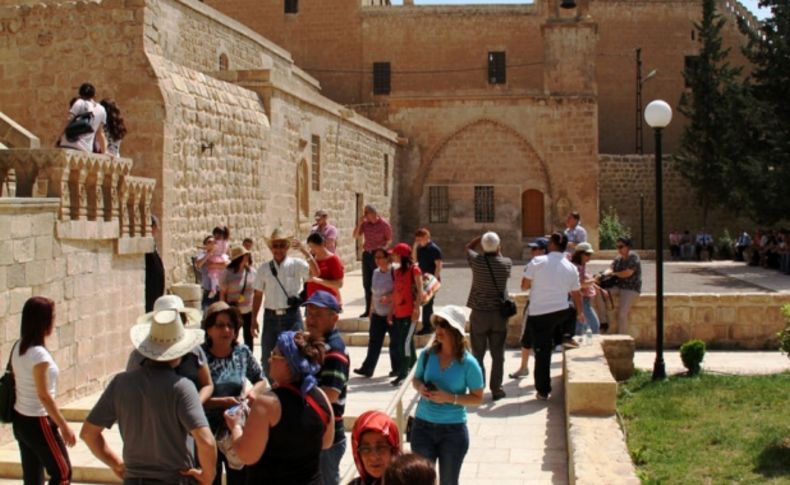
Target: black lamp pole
659, 370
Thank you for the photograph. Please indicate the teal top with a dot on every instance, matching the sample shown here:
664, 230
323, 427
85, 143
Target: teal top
459, 378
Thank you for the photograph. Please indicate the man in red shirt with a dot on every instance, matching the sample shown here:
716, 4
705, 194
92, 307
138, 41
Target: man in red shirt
377, 233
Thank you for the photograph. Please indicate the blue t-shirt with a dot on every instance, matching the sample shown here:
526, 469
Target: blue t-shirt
459, 378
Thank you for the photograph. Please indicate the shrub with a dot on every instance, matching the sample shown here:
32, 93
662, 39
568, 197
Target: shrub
610, 228
784, 335
724, 246
692, 353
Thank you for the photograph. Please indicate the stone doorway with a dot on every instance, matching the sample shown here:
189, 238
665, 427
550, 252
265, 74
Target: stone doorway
532, 213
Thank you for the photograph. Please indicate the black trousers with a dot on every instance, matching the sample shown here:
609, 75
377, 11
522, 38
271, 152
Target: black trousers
40, 447
427, 312
368, 266
246, 326
378, 329
542, 329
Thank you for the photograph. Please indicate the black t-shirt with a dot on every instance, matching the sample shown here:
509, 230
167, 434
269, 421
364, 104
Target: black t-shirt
427, 257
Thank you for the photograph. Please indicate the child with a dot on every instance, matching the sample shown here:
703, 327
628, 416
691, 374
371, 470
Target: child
219, 258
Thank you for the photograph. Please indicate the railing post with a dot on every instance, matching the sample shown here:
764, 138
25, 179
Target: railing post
399, 418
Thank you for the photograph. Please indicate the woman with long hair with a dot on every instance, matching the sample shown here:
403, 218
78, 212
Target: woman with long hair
448, 378
115, 128
288, 426
406, 298
375, 441
581, 256
231, 364
237, 288
39, 426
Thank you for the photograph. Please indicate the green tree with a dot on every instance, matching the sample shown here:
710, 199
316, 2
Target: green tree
767, 165
711, 144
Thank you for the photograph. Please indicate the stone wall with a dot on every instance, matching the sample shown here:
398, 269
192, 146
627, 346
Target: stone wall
623, 178
98, 294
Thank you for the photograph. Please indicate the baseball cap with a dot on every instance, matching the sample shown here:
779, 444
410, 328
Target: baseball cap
323, 299
539, 243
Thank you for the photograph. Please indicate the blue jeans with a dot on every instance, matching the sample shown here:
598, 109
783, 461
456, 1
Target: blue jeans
446, 442
330, 462
378, 329
273, 326
206, 302
590, 316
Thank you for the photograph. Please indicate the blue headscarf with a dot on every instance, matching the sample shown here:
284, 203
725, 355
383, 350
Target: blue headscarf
300, 366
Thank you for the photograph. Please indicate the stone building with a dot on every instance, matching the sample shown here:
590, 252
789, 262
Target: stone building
433, 73
224, 128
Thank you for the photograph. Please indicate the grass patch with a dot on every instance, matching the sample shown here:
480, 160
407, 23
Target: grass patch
708, 429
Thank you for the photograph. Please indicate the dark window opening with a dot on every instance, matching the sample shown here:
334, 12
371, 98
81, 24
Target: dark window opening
291, 6
690, 66
496, 68
386, 175
484, 203
438, 204
223, 62
315, 168
381, 78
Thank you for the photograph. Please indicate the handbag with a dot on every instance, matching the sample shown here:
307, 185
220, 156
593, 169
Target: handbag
8, 391
607, 281
507, 307
80, 125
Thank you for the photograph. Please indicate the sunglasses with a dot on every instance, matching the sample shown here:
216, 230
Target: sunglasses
276, 355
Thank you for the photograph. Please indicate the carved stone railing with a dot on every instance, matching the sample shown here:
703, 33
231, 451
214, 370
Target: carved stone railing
98, 197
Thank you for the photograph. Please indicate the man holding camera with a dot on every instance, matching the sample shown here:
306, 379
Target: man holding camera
282, 279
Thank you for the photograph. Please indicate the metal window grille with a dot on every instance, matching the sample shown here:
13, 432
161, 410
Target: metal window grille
484, 203
496, 68
315, 168
381, 78
438, 204
291, 6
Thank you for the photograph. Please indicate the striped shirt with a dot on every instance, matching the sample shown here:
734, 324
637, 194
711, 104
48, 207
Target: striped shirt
486, 295
376, 234
233, 283
334, 375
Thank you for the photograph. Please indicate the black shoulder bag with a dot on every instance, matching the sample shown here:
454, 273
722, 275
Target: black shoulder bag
293, 301
80, 125
507, 307
8, 391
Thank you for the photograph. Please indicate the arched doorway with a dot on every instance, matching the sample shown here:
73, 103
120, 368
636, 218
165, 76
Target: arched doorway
532, 213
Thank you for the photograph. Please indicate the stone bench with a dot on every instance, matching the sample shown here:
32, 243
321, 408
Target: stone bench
597, 452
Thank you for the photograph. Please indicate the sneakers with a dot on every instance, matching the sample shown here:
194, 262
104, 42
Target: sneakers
519, 373
363, 373
541, 397
393, 373
498, 394
364, 315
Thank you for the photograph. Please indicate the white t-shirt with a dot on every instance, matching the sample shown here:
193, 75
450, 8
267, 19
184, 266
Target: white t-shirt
85, 142
27, 402
292, 273
552, 277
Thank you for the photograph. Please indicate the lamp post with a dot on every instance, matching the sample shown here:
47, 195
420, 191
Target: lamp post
639, 82
658, 114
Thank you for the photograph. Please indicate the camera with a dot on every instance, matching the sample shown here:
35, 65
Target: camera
294, 301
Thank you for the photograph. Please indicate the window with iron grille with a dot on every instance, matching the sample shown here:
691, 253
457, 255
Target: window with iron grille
484, 203
690, 64
386, 175
315, 168
438, 204
381, 78
291, 6
496, 68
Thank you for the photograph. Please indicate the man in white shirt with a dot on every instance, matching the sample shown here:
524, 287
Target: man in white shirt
550, 278
87, 104
281, 279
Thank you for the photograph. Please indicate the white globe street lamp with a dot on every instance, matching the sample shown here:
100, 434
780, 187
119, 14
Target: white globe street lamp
658, 114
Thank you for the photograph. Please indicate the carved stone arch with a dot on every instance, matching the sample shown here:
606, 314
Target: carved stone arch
223, 62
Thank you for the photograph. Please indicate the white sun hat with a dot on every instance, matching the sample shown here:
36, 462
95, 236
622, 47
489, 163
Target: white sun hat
452, 314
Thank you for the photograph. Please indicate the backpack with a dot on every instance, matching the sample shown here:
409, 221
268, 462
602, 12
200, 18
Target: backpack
81, 124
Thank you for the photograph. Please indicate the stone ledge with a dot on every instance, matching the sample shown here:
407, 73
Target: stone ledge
590, 388
597, 452
134, 245
87, 230
15, 204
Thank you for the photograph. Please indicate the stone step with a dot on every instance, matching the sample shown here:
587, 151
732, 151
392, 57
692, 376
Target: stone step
360, 339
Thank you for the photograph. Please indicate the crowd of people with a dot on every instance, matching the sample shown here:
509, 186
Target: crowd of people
194, 405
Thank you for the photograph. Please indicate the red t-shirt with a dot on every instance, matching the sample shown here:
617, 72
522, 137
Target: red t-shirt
403, 293
331, 269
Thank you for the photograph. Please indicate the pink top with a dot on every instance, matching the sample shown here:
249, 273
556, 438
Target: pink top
220, 254
589, 291
376, 234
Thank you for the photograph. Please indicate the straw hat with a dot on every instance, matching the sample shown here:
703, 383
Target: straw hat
160, 335
237, 252
278, 234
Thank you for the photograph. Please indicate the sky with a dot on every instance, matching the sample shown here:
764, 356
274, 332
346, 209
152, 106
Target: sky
750, 4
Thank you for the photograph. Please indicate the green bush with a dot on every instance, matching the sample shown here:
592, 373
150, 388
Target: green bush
724, 246
692, 353
610, 228
784, 335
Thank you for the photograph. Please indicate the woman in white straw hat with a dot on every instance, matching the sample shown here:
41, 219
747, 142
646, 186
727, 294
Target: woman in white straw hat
194, 365
155, 408
448, 378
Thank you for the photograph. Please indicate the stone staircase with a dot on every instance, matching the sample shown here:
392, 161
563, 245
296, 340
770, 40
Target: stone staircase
355, 333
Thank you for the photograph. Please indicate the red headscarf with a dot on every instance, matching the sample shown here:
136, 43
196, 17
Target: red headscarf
373, 421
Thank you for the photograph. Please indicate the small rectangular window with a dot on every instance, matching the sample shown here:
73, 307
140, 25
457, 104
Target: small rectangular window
316, 165
291, 6
381, 78
690, 66
438, 204
386, 175
484, 203
496, 68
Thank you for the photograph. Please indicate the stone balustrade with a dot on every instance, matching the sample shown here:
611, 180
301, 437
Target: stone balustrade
98, 197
